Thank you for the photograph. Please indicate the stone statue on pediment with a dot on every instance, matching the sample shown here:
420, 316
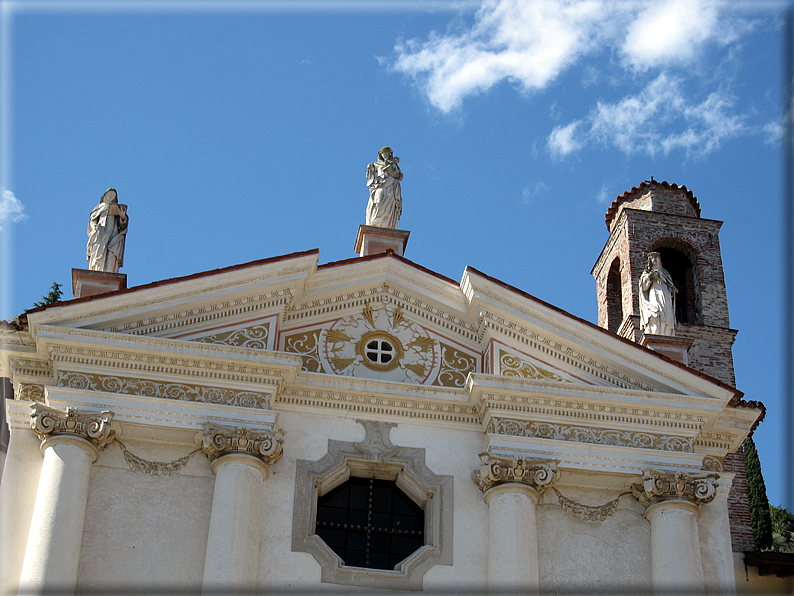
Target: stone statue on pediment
657, 298
107, 230
385, 195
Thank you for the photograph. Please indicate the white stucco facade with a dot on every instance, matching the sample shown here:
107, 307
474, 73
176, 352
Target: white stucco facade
581, 441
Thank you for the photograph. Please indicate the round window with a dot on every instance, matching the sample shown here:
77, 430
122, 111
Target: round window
380, 350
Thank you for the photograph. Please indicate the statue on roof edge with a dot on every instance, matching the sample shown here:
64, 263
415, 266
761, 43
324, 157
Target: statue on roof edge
107, 230
385, 195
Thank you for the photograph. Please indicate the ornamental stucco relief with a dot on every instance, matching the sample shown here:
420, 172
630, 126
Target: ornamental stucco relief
583, 434
658, 486
512, 366
381, 343
177, 391
255, 337
93, 427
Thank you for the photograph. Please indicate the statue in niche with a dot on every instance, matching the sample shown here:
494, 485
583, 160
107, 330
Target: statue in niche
657, 298
385, 196
107, 229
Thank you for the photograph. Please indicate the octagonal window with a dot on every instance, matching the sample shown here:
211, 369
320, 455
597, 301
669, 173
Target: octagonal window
370, 523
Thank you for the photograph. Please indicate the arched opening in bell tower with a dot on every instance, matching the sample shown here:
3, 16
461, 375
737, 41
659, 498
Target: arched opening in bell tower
684, 275
614, 297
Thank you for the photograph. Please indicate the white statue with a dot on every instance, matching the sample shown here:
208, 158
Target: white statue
107, 229
385, 196
657, 298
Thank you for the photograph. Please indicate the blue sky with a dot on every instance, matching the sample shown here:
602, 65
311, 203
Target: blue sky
241, 130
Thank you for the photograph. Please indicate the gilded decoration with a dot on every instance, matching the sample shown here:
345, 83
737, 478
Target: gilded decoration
307, 345
380, 343
455, 366
93, 427
659, 486
177, 391
29, 392
712, 463
539, 475
218, 441
511, 366
255, 337
583, 434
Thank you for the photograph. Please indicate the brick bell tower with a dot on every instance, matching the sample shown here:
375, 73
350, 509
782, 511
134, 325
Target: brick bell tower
665, 218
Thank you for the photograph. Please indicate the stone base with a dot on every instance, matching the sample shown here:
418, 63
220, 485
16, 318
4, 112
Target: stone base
89, 283
373, 241
674, 348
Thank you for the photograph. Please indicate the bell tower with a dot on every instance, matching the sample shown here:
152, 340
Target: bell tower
665, 218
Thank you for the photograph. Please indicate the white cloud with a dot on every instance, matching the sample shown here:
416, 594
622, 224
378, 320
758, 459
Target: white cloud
638, 123
527, 193
773, 131
531, 42
674, 31
528, 43
11, 208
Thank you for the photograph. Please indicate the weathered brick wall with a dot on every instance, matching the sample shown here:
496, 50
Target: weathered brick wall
711, 350
739, 504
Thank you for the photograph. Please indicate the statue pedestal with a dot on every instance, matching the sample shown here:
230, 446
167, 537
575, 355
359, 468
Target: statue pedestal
372, 241
88, 283
674, 348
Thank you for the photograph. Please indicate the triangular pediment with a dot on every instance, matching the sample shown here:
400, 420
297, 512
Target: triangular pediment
382, 318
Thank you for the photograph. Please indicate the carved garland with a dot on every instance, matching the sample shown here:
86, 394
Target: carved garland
154, 468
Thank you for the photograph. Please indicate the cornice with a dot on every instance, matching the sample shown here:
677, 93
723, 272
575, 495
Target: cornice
201, 314
147, 298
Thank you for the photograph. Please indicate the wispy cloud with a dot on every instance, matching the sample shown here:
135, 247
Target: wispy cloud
638, 123
530, 43
530, 192
11, 208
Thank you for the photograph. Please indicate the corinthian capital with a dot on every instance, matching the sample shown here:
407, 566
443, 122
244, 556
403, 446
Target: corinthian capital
220, 440
539, 475
93, 427
660, 486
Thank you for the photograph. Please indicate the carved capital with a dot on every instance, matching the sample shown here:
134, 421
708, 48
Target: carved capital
220, 440
660, 486
538, 475
93, 427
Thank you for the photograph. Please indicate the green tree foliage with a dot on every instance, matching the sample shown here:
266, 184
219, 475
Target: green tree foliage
782, 529
53, 296
759, 505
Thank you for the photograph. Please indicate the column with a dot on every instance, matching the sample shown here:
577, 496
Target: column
70, 443
672, 505
512, 489
240, 461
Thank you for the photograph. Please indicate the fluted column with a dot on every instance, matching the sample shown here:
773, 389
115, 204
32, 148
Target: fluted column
512, 490
240, 461
70, 443
672, 505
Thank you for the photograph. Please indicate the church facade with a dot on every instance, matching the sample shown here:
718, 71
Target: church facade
371, 424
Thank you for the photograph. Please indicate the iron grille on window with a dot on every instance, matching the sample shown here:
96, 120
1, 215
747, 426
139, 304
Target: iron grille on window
370, 523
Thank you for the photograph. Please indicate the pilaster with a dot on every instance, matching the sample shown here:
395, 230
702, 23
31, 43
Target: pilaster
70, 442
511, 489
672, 505
240, 461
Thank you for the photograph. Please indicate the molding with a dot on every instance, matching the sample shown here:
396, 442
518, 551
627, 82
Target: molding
376, 457
162, 390
583, 434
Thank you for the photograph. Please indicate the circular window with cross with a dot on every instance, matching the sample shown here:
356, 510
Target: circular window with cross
380, 350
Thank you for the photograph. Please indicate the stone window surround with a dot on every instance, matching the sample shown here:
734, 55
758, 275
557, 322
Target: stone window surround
375, 457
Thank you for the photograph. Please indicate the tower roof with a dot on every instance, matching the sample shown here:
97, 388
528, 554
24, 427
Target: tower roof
647, 185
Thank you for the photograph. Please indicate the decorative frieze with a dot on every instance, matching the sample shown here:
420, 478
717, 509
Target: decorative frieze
583, 434
660, 486
29, 392
220, 440
539, 475
49, 422
178, 391
255, 337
